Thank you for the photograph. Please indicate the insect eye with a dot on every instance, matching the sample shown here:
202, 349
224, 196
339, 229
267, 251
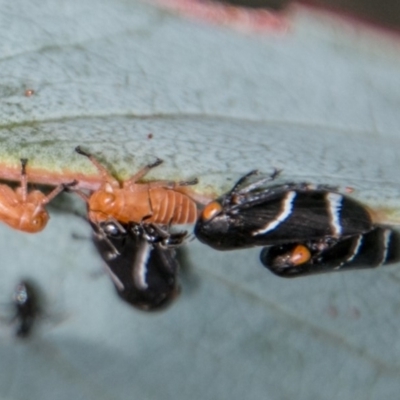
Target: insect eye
300, 255
211, 210
111, 229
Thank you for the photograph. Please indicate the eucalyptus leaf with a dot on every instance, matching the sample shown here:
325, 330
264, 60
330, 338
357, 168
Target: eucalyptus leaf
131, 82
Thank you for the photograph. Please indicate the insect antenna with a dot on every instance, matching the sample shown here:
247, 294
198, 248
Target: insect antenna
24, 180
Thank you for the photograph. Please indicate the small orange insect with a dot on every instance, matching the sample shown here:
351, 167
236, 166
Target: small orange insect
159, 202
25, 210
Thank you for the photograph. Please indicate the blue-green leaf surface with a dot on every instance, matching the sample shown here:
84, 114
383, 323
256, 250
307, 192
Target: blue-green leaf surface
320, 101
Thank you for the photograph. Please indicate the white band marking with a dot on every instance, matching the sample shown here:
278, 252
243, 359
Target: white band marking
355, 252
356, 248
140, 265
286, 211
334, 208
386, 239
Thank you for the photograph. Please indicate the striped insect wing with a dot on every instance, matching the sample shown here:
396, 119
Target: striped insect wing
392, 252
380, 246
144, 274
282, 216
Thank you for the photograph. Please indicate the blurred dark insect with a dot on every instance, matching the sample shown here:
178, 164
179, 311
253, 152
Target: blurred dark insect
26, 303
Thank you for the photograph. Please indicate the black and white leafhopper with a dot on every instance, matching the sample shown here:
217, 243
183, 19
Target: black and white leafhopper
140, 259
253, 214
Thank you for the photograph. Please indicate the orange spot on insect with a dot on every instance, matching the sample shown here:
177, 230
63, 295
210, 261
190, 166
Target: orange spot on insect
211, 210
300, 255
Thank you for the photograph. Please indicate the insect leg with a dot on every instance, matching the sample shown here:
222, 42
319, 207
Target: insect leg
243, 179
157, 234
24, 180
56, 191
100, 231
236, 188
141, 173
105, 175
194, 181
